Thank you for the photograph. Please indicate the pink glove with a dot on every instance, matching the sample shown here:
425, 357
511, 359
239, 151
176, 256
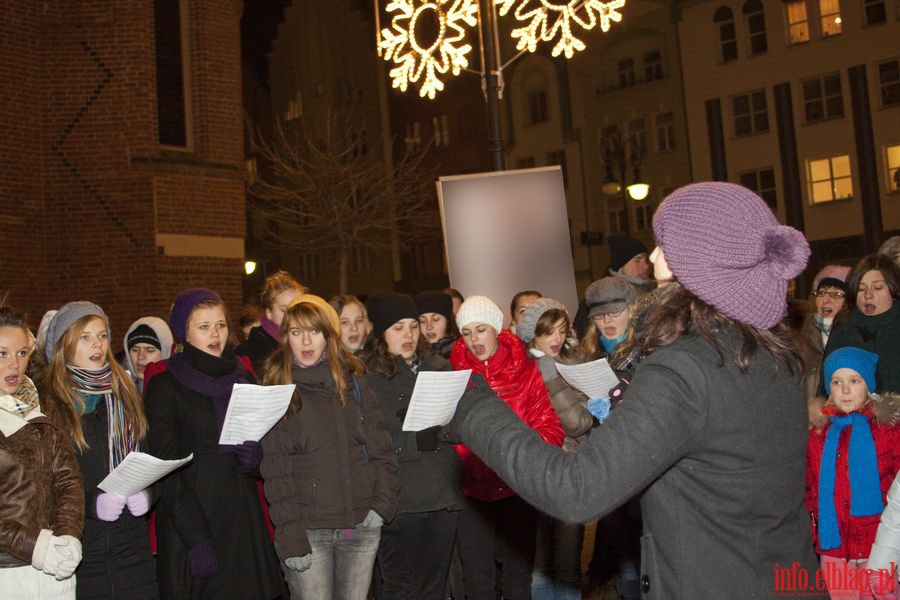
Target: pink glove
110, 506
139, 503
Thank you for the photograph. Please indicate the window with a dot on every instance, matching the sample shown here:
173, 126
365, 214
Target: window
525, 163
644, 216
441, 126
172, 74
830, 13
360, 259
798, 22
653, 66
756, 25
665, 132
822, 98
724, 18
830, 179
626, 72
308, 267
637, 130
889, 79
893, 164
875, 12
413, 137
559, 158
537, 107
750, 113
763, 183
616, 221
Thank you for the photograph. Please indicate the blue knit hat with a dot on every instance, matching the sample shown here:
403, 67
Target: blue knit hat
859, 360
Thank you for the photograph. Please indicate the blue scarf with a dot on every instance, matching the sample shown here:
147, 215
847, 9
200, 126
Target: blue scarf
610, 345
865, 487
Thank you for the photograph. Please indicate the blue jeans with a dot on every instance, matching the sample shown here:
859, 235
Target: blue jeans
342, 561
557, 562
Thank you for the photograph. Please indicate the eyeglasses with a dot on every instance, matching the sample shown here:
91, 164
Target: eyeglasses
833, 294
609, 315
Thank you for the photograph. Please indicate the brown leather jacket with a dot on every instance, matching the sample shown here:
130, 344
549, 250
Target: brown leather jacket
41, 487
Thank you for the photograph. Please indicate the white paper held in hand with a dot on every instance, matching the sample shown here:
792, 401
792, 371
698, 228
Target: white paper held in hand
253, 410
137, 472
594, 379
434, 398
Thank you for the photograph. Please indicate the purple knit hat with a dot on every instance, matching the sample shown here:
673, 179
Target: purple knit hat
183, 306
723, 243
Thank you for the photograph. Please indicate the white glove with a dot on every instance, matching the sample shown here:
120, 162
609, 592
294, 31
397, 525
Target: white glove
298, 564
56, 555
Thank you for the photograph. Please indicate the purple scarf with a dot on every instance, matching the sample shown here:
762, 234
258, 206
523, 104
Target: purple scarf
270, 327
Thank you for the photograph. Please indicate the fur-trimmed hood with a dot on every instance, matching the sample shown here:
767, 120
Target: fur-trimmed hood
884, 410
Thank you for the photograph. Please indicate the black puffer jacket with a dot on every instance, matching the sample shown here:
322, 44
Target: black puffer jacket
430, 479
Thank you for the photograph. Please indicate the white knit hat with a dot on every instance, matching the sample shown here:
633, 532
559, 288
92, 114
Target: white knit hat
479, 309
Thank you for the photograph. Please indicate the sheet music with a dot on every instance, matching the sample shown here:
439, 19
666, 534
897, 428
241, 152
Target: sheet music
594, 379
138, 471
434, 398
253, 411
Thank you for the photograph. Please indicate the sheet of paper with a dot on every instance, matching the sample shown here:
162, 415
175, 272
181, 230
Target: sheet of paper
434, 398
594, 379
138, 471
253, 411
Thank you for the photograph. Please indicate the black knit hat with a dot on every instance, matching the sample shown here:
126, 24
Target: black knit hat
388, 308
435, 302
143, 334
622, 249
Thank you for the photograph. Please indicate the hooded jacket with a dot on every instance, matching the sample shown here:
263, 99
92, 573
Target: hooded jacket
516, 380
857, 533
163, 333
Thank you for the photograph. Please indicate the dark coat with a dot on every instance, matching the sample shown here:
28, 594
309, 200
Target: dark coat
721, 454
315, 465
878, 334
117, 562
429, 480
258, 347
210, 498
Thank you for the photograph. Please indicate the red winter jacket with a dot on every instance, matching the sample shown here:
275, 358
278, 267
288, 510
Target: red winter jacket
515, 378
857, 533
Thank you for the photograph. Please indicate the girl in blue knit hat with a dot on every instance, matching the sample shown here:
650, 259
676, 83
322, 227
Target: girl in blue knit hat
850, 465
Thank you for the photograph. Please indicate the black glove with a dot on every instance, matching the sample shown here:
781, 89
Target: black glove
427, 439
616, 394
248, 454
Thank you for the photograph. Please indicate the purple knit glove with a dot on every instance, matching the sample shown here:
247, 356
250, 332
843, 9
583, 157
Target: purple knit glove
248, 454
203, 561
139, 504
110, 506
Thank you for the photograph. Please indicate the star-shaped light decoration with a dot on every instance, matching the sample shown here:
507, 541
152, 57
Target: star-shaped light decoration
544, 20
446, 52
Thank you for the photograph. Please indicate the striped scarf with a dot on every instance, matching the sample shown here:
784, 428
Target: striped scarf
94, 385
23, 401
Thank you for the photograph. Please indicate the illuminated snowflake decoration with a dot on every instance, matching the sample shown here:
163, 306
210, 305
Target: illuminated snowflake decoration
546, 20
413, 61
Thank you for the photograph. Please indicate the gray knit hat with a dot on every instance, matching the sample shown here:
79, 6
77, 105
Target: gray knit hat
609, 295
722, 242
65, 317
533, 312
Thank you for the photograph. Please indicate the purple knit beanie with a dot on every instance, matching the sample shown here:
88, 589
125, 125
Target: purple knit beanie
183, 306
723, 244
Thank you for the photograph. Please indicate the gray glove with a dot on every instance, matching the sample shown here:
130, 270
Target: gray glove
372, 520
298, 564
547, 367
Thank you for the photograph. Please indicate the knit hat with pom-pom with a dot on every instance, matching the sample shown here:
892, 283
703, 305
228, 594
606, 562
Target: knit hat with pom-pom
723, 244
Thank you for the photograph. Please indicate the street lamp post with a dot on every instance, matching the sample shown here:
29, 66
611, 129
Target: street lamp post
618, 154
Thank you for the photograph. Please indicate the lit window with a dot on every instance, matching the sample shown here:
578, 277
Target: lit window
893, 164
875, 12
756, 25
830, 179
626, 72
537, 107
652, 66
724, 19
665, 132
616, 221
413, 138
822, 98
750, 113
798, 22
889, 79
763, 183
830, 13
441, 128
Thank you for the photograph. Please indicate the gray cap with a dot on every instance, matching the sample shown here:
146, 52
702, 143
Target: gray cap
65, 317
533, 312
610, 294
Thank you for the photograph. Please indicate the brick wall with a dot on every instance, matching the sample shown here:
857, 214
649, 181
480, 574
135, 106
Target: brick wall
84, 186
